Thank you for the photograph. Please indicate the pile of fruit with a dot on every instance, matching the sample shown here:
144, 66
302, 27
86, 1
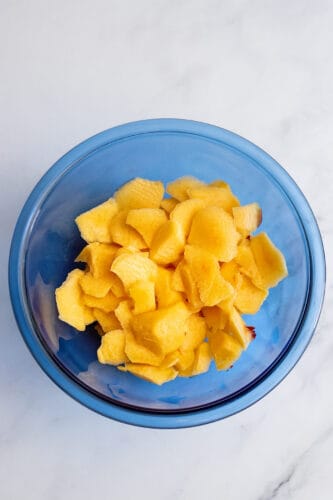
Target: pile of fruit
167, 279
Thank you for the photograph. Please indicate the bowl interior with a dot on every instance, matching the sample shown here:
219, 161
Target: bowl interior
54, 241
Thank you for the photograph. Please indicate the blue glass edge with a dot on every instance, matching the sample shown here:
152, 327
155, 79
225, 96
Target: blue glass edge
199, 417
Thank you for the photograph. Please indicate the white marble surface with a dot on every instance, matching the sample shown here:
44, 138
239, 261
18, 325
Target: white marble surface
70, 68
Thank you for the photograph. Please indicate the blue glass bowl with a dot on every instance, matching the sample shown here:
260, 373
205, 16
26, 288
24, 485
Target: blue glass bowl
46, 241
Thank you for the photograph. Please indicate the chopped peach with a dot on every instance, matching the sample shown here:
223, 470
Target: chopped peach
224, 348
132, 267
123, 234
205, 270
124, 314
216, 318
70, 303
195, 332
168, 204
146, 221
99, 257
168, 243
202, 359
112, 348
140, 353
249, 298
238, 328
247, 218
107, 303
107, 321
269, 259
165, 295
214, 196
154, 374
164, 327
140, 193
178, 189
183, 213
94, 224
143, 295
214, 230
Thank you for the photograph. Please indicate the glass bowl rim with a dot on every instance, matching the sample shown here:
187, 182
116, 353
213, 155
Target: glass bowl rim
21, 309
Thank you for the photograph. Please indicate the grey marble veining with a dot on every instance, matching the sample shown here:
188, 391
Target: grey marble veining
263, 69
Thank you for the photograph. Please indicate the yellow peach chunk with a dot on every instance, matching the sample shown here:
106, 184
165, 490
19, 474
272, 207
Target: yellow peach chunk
132, 267
214, 196
168, 204
94, 224
99, 257
185, 363
224, 348
107, 321
124, 313
143, 295
140, 193
164, 327
154, 374
116, 286
202, 359
226, 306
89, 316
71, 307
230, 272
196, 331
123, 234
107, 303
205, 271
168, 243
146, 221
249, 298
170, 359
238, 329
176, 280
112, 348
183, 213
216, 318
214, 230
97, 287
165, 295
269, 259
247, 218
138, 352
247, 264
191, 288
178, 188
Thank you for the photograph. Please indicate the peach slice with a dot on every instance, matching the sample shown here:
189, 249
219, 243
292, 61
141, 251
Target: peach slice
140, 193
213, 230
225, 349
139, 353
123, 234
71, 307
154, 374
214, 196
146, 221
247, 218
269, 259
163, 327
178, 189
112, 348
168, 243
94, 224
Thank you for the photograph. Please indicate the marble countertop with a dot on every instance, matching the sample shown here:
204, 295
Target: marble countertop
69, 69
